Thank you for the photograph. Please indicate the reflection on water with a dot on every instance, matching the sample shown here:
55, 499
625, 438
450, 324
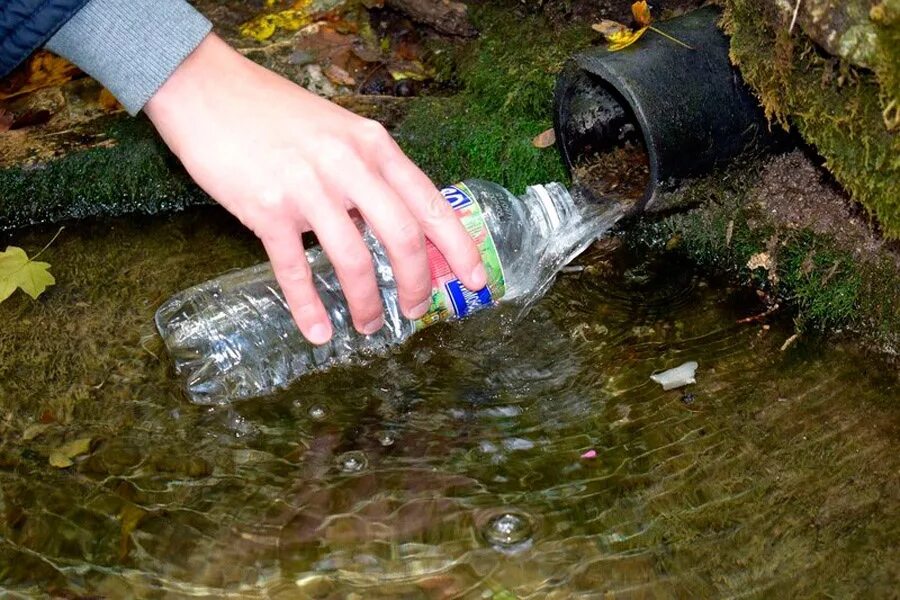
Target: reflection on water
452, 468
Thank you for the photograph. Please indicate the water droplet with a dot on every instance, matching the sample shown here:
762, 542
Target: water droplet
509, 532
317, 412
353, 461
386, 438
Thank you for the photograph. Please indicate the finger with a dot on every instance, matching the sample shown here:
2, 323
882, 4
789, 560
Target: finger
439, 221
292, 271
350, 257
399, 232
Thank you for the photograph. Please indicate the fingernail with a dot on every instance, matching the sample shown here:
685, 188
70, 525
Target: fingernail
479, 277
419, 310
373, 326
319, 333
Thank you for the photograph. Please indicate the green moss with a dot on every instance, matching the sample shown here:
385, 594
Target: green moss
824, 282
838, 109
137, 173
505, 98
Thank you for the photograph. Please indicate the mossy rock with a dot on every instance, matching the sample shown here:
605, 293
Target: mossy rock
851, 115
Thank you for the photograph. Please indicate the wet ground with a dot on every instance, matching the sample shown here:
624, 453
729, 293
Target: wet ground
452, 468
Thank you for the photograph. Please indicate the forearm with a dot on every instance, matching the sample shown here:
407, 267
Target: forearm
131, 46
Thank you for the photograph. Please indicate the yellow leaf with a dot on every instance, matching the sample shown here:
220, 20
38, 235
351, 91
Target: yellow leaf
545, 139
263, 27
617, 41
62, 456
33, 431
641, 12
18, 271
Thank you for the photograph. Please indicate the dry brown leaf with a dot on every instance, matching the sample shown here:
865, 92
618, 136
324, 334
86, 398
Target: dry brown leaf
339, 76
545, 139
107, 101
608, 27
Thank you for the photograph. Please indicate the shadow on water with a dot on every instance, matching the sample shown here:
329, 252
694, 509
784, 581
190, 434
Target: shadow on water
451, 468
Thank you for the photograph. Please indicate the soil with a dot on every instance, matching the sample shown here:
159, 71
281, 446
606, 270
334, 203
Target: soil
799, 193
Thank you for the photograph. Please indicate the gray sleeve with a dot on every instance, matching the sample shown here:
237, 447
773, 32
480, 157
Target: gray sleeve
131, 46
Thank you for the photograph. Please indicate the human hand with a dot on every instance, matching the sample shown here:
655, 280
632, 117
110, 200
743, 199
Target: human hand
285, 161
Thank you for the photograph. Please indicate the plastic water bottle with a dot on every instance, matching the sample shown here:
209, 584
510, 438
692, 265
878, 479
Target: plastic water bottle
233, 337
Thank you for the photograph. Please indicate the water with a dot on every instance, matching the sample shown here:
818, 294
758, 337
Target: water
778, 479
234, 337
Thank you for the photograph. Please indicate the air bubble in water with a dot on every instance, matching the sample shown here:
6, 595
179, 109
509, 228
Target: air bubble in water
509, 532
386, 438
317, 412
352, 462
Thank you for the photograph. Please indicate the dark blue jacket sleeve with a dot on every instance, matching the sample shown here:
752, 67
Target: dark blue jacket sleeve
25, 25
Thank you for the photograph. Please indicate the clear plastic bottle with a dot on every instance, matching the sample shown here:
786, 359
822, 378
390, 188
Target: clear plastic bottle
233, 337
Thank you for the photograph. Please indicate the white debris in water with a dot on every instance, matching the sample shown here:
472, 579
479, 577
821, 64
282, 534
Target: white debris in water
680, 376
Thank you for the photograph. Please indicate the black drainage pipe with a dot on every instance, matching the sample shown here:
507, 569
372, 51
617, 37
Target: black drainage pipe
688, 107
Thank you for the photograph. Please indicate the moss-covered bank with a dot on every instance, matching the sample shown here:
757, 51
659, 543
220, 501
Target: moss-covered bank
848, 114
133, 172
832, 282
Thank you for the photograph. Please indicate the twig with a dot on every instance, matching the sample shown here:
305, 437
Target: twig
789, 342
669, 37
760, 316
794, 18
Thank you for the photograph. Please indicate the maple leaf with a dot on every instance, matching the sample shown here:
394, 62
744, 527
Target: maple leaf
19, 271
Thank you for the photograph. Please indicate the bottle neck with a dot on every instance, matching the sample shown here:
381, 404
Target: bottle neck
554, 203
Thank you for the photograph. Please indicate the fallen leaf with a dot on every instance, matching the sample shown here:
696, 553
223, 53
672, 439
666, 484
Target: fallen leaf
412, 69
623, 39
263, 27
107, 101
18, 271
608, 27
62, 456
641, 12
545, 139
33, 431
338, 75
42, 70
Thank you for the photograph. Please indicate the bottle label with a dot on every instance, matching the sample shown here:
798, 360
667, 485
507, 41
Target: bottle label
450, 299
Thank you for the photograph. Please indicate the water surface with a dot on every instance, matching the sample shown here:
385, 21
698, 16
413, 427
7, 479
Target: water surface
451, 468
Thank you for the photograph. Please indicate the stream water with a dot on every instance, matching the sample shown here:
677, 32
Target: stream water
451, 468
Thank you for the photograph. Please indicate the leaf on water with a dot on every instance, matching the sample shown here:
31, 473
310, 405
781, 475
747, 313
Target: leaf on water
641, 12
62, 456
33, 431
19, 271
545, 139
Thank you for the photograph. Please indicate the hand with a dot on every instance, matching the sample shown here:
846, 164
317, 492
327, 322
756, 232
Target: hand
285, 161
